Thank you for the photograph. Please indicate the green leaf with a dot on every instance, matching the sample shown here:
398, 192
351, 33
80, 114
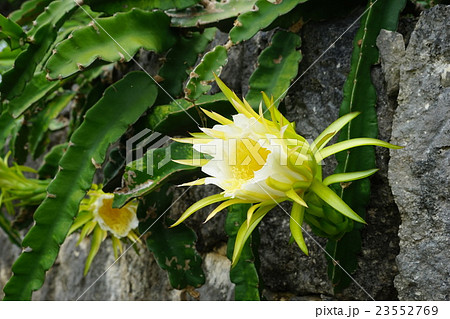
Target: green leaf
41, 122
18, 143
244, 274
42, 38
173, 248
345, 252
13, 132
51, 161
360, 96
113, 6
130, 31
14, 81
56, 12
7, 125
114, 166
35, 90
200, 16
155, 168
91, 90
29, 11
77, 19
203, 74
7, 58
277, 66
87, 149
12, 33
181, 57
249, 23
166, 118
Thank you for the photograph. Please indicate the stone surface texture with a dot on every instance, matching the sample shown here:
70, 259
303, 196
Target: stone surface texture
419, 174
392, 50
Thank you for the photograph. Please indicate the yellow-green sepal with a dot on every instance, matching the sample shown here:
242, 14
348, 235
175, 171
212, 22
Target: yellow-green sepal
117, 246
86, 230
348, 177
228, 93
273, 183
199, 205
332, 129
295, 224
217, 117
296, 197
345, 145
197, 182
245, 231
82, 218
225, 205
97, 237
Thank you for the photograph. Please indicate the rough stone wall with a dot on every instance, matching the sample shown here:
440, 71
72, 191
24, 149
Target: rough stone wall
420, 173
417, 256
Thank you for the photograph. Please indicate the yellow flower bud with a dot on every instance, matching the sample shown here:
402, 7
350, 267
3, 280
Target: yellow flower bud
97, 216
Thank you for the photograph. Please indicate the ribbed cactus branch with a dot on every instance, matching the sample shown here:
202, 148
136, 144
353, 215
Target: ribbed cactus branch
360, 96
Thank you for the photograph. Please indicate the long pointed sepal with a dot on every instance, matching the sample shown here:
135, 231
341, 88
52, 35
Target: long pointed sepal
223, 206
199, 205
296, 197
97, 238
345, 145
197, 182
332, 129
82, 218
217, 117
348, 177
245, 231
295, 224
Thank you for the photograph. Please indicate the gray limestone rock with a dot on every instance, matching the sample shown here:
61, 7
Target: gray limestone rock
392, 49
419, 174
217, 271
8, 254
132, 277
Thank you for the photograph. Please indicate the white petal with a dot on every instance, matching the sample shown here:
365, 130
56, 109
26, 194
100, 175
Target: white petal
214, 148
217, 169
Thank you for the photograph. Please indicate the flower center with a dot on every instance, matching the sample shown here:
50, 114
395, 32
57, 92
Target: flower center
119, 220
249, 158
